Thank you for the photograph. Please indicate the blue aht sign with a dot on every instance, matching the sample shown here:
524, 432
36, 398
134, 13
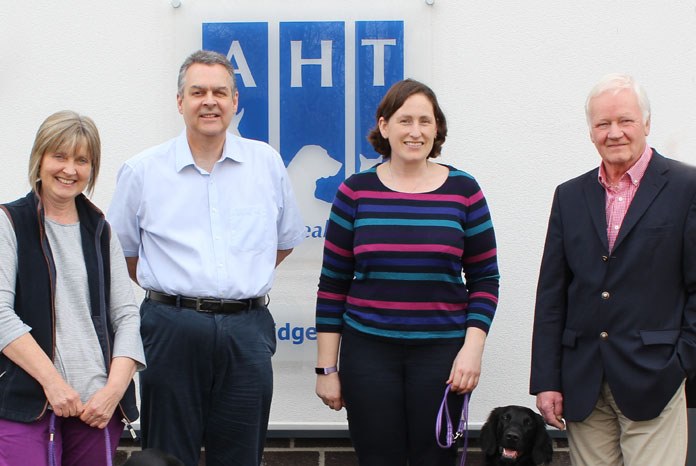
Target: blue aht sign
313, 72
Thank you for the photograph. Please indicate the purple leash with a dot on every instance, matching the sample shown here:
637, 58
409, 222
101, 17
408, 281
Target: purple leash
107, 439
462, 428
52, 442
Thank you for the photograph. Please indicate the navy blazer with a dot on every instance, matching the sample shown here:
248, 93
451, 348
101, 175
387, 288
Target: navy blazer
627, 317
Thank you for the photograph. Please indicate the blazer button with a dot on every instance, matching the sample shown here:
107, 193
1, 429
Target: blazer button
605, 258
604, 335
605, 295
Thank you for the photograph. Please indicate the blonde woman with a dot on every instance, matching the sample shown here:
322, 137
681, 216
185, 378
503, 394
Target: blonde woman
69, 325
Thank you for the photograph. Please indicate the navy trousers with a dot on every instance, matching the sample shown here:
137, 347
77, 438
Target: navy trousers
392, 393
209, 382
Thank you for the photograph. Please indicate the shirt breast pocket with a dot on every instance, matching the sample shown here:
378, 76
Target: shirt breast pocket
251, 228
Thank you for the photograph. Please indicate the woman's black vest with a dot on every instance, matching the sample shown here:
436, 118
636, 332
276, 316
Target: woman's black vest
21, 396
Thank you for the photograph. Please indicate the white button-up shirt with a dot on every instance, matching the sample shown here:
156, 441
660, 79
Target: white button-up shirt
205, 234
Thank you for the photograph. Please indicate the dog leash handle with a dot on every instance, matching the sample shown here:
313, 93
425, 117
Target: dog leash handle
462, 427
444, 410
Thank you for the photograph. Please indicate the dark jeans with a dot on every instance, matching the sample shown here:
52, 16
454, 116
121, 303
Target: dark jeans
392, 393
209, 381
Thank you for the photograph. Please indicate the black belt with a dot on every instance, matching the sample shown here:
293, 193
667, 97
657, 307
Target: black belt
207, 304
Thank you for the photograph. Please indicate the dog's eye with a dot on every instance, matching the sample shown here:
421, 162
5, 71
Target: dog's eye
506, 417
526, 421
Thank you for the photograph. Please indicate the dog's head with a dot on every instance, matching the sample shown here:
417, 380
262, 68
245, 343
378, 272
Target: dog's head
515, 435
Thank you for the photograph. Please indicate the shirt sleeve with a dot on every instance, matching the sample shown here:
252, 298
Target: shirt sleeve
11, 326
124, 208
338, 266
123, 310
291, 228
480, 263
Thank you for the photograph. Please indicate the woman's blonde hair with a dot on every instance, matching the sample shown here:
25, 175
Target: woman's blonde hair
65, 131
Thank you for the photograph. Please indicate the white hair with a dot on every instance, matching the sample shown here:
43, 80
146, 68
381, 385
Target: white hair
614, 83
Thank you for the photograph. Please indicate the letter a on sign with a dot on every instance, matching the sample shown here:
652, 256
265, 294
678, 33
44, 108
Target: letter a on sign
246, 46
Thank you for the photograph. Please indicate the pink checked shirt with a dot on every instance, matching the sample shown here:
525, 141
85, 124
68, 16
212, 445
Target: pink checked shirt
619, 198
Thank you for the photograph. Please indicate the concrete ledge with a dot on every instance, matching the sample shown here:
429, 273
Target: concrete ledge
335, 452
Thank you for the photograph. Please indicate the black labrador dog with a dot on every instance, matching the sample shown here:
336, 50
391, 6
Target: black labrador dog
515, 435
152, 457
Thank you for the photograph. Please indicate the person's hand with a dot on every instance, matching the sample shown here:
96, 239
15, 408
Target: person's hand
466, 370
550, 405
64, 400
329, 390
99, 409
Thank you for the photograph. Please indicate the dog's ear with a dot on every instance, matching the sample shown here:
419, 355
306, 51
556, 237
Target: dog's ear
542, 453
489, 433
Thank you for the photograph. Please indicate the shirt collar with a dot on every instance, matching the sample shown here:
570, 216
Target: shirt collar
184, 157
635, 173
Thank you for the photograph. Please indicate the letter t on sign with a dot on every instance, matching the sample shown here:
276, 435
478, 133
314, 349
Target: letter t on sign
378, 63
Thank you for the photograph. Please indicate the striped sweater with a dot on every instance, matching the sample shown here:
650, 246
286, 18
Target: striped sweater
393, 261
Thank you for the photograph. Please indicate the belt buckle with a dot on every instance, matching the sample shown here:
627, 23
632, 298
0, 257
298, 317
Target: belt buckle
203, 301
200, 301
198, 305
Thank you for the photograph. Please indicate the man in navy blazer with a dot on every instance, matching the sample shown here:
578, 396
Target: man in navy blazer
615, 318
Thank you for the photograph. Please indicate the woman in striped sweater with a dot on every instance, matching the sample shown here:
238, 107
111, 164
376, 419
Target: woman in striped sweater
391, 293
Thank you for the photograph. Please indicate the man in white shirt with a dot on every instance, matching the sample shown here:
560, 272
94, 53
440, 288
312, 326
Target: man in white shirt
204, 219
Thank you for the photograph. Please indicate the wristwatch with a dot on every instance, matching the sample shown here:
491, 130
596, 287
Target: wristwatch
325, 370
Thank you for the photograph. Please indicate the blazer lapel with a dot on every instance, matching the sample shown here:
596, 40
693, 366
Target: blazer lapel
596, 204
652, 183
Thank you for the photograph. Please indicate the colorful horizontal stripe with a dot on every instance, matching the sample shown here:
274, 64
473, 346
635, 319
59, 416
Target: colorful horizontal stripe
407, 222
406, 335
406, 305
416, 276
406, 266
408, 248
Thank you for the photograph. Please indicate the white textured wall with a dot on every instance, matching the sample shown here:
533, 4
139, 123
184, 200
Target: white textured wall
511, 76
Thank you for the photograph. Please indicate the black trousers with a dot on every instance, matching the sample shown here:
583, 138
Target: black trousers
392, 393
208, 381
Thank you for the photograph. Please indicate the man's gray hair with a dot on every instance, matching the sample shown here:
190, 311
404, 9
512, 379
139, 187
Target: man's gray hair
205, 57
614, 83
